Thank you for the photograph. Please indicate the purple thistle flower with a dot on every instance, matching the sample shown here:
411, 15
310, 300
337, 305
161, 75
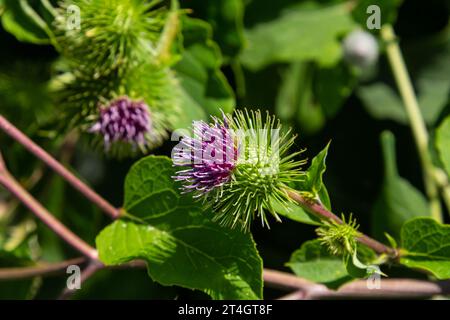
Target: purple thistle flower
123, 120
210, 155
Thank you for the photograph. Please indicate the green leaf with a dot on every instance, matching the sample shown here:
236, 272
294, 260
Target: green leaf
313, 262
16, 253
332, 86
291, 89
398, 200
125, 284
25, 23
226, 18
56, 202
314, 174
299, 34
313, 94
443, 143
426, 246
360, 263
313, 184
178, 239
432, 83
295, 98
382, 102
295, 212
205, 89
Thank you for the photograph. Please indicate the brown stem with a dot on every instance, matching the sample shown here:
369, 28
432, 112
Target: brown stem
319, 210
300, 288
38, 270
11, 184
18, 136
388, 288
286, 281
46, 269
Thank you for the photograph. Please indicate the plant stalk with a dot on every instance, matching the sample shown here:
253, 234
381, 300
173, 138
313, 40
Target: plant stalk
38, 270
82, 187
319, 210
11, 184
418, 126
301, 288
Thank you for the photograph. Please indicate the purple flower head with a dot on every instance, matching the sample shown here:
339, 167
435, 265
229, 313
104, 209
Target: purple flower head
123, 120
210, 156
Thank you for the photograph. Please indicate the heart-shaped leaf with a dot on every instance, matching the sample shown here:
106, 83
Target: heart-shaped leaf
177, 238
426, 245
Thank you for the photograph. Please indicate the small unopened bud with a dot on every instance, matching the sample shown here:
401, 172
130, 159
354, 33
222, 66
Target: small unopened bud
360, 49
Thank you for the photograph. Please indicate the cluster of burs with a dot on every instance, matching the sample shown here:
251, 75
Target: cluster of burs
114, 79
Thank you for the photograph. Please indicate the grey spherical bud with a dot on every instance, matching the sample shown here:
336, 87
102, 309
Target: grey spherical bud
360, 49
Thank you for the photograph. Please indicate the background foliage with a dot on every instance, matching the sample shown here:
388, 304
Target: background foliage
282, 56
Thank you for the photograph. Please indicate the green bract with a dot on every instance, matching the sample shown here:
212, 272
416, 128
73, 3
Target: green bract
340, 239
110, 50
105, 35
263, 170
256, 177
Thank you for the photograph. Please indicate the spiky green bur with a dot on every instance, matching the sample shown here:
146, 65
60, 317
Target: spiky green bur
112, 55
263, 170
258, 174
112, 35
340, 239
82, 96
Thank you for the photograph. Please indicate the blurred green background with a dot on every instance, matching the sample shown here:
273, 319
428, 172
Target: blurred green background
282, 56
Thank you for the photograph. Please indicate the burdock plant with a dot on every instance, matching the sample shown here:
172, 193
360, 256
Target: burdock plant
114, 82
112, 35
240, 165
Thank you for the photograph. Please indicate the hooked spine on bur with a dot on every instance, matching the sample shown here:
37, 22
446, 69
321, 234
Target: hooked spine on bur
339, 238
239, 165
113, 34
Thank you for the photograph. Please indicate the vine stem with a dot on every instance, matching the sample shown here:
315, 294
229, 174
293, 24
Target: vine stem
300, 288
21, 138
388, 288
11, 184
418, 126
169, 33
43, 269
319, 210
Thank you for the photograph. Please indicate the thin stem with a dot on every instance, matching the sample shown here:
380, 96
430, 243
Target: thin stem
169, 34
38, 270
46, 269
319, 210
17, 135
296, 295
388, 288
301, 288
418, 126
11, 184
287, 281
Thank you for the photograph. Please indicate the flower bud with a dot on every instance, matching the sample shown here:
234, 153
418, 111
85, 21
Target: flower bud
360, 49
239, 165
